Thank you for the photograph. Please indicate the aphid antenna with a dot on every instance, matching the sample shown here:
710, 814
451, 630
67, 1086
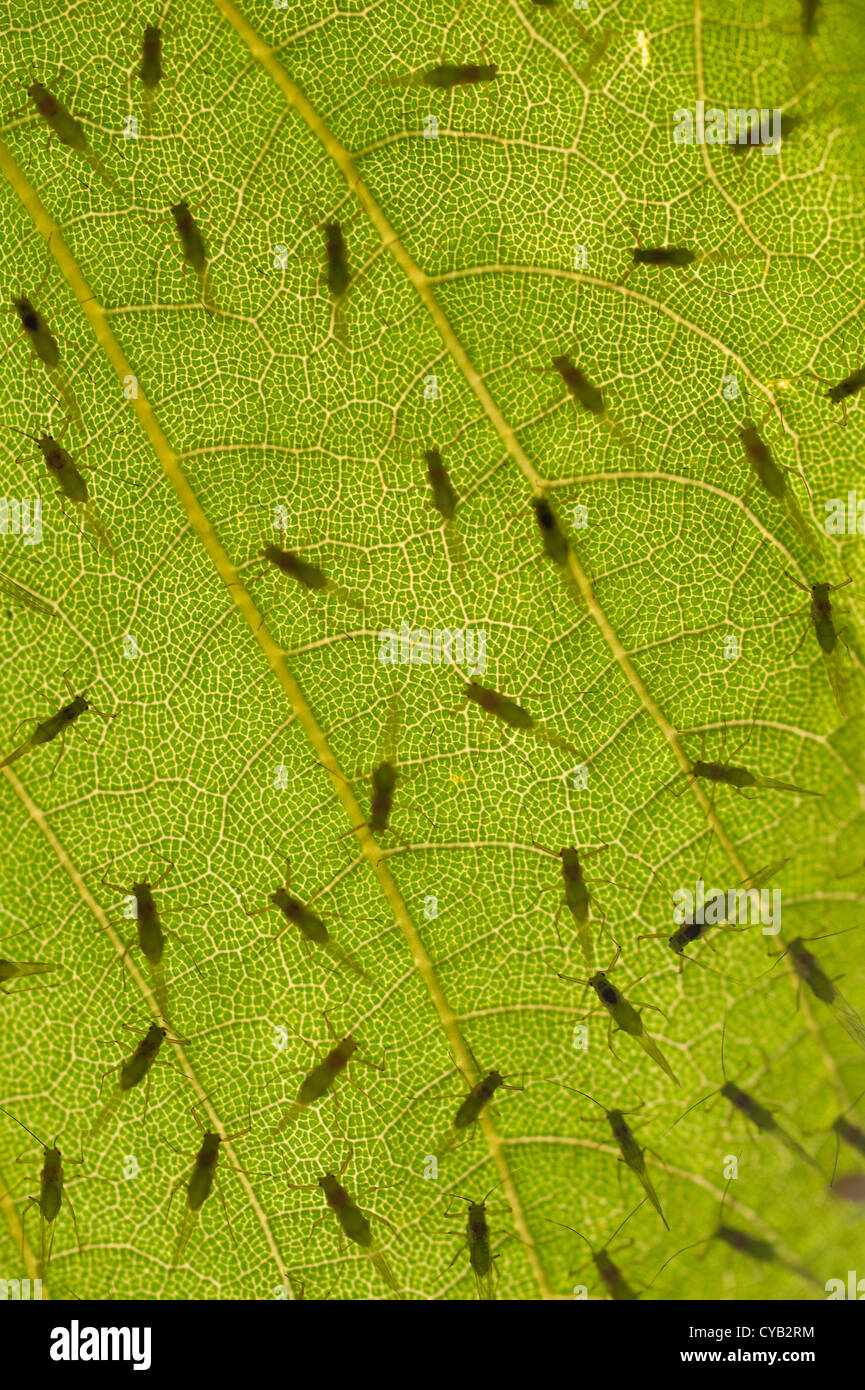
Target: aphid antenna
225, 1138
579, 980
607, 1243
470, 1200
39, 1141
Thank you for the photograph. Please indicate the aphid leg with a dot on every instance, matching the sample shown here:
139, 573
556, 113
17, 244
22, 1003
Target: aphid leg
805, 631
72, 1211
147, 1093
562, 904
637, 1005
688, 776
610, 1030
221, 1195
60, 754
826, 382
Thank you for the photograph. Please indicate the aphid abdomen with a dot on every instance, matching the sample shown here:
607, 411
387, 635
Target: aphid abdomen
314, 1086
338, 272
313, 927
150, 937
479, 1256
555, 544
444, 497
448, 75
808, 970
577, 899
51, 1190
191, 240
825, 632
383, 785
746, 1244
355, 1225
71, 482
579, 386
469, 1110
150, 71
203, 1174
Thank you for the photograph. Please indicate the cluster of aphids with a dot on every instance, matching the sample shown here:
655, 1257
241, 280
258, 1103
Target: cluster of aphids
623, 1015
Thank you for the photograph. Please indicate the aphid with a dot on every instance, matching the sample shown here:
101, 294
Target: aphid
708, 912
322, 1076
336, 255
384, 779
43, 345
840, 392
58, 723
739, 778
554, 542
772, 479
828, 636
150, 931
194, 249
756, 135
307, 575
755, 1247
585, 395
339, 274
625, 1016
150, 72
72, 485
661, 256
808, 16
513, 714
444, 497
133, 1071
611, 1276
479, 1096
577, 897
200, 1183
631, 1152
308, 923
16, 593
42, 341
17, 969
68, 131
851, 1187
353, 1223
761, 1118
692, 929
478, 1239
579, 386
444, 77
810, 973
851, 1134
51, 1193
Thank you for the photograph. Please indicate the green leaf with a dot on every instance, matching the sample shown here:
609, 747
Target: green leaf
248, 712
